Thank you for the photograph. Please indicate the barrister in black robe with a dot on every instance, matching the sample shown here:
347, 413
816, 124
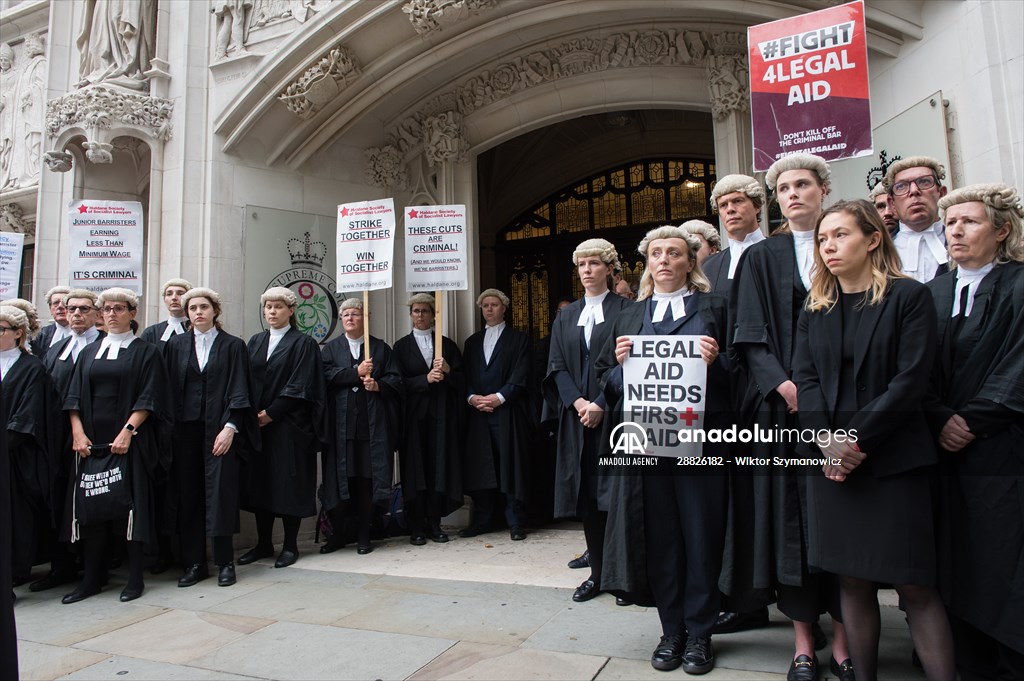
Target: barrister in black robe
363, 401
32, 314
8, 631
666, 524
118, 397
289, 389
177, 322
81, 311
771, 285
214, 427
574, 401
865, 345
977, 411
433, 421
58, 329
29, 420
737, 200
500, 420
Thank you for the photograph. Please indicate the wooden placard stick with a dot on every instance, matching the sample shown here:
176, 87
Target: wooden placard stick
366, 325
438, 305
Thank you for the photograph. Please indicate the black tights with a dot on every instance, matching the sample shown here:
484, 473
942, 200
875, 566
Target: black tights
265, 531
359, 504
929, 627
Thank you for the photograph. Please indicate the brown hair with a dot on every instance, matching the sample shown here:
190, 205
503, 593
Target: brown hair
885, 262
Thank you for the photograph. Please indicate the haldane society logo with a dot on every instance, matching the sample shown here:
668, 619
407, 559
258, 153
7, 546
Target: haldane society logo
317, 311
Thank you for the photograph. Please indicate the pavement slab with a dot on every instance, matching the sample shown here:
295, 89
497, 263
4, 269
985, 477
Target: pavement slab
467, 661
294, 651
177, 636
41, 662
132, 668
301, 602
47, 620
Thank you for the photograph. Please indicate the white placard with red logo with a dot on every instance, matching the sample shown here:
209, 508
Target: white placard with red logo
105, 245
366, 245
12, 245
435, 248
664, 381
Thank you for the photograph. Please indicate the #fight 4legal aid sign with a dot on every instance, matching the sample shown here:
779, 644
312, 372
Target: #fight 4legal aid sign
664, 381
366, 245
105, 245
435, 248
809, 86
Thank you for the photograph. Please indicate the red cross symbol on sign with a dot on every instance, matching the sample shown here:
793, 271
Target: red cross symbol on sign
689, 416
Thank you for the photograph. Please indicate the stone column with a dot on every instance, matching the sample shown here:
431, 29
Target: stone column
729, 85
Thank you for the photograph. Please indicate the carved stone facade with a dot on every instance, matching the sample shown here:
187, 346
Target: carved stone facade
670, 47
22, 95
321, 83
428, 16
99, 108
12, 215
271, 11
728, 75
386, 168
444, 138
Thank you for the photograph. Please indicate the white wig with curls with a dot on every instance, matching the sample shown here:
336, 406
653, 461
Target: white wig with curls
816, 164
744, 184
1003, 206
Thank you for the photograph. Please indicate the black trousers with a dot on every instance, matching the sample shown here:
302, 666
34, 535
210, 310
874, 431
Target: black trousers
189, 472
487, 501
684, 532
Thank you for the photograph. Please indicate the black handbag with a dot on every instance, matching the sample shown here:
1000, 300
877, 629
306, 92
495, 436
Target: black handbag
103, 489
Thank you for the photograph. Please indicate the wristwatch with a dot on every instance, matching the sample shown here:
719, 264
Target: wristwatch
131, 429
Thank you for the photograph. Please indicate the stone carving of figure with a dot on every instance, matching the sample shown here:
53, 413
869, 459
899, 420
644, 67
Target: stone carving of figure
8, 113
117, 41
443, 139
232, 28
727, 82
32, 102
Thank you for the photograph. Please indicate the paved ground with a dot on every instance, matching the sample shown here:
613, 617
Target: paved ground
482, 608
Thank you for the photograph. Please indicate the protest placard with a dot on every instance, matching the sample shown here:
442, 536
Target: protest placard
435, 248
664, 380
365, 245
12, 245
105, 245
809, 86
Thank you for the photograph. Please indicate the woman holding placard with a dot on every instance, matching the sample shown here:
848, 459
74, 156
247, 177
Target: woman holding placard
865, 344
119, 412
288, 386
682, 510
363, 398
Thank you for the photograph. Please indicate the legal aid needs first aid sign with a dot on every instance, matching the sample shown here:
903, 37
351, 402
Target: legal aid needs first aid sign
809, 86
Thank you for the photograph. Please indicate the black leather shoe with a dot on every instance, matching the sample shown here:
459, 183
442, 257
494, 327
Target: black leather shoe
669, 653
437, 535
842, 670
585, 591
418, 539
226, 576
285, 559
52, 579
254, 554
730, 622
803, 668
332, 544
79, 594
619, 600
193, 575
580, 561
130, 593
517, 533
364, 549
474, 530
699, 656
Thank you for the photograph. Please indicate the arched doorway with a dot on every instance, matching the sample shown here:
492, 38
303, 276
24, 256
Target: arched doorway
619, 204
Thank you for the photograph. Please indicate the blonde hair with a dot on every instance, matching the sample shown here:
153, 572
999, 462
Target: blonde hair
492, 293
30, 313
696, 281
18, 321
209, 294
1002, 207
897, 167
737, 183
885, 262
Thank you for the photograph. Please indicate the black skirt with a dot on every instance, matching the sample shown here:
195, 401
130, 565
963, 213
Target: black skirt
878, 529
